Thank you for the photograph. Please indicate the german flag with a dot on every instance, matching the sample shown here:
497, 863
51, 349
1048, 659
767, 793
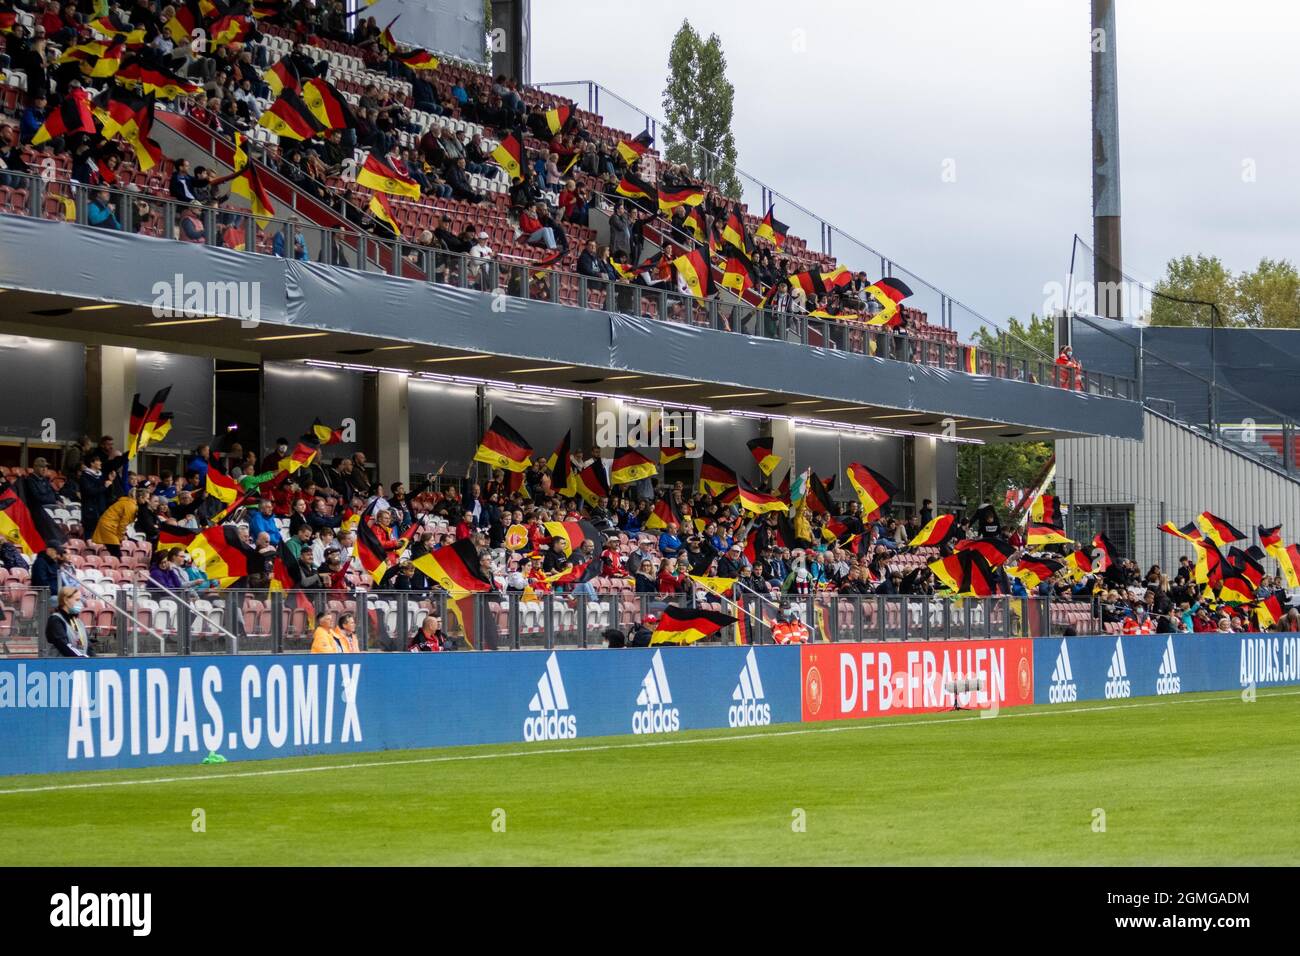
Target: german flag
1046, 510
454, 568
695, 272
818, 497
326, 435
286, 576
161, 83
738, 272
186, 19
635, 188
630, 466
761, 449
935, 533
144, 419
110, 60
979, 580
266, 9
83, 52
8, 21
715, 477
1290, 565
661, 517
1247, 565
573, 533
249, 185
221, 555
834, 530
1041, 535
733, 231
509, 155
221, 486
563, 479
670, 453
1218, 530
693, 224
378, 175
283, 76
873, 489
130, 116
1209, 564
503, 447
1034, 571
1188, 532
670, 199
113, 25
72, 116
889, 292
630, 150
557, 118
1269, 612
1235, 589
950, 571
386, 39
380, 209
592, 484
721, 586
1079, 562
993, 550
970, 360
1270, 539
289, 117
1109, 556
164, 426
772, 229
368, 549
686, 625
232, 28
417, 59
757, 502
302, 454
327, 105
26, 524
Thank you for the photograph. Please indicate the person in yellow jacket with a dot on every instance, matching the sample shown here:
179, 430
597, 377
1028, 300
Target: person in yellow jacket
113, 524
331, 639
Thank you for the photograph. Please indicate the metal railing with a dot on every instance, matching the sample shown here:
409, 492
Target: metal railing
232, 228
141, 621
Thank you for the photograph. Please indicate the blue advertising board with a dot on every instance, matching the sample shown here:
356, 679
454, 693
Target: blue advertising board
1067, 669
58, 715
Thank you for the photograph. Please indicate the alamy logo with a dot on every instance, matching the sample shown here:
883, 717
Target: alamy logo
73, 909
1167, 679
549, 704
232, 299
751, 708
1062, 689
1117, 682
655, 713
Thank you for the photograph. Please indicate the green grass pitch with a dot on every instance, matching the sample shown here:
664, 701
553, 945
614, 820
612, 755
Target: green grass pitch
1198, 779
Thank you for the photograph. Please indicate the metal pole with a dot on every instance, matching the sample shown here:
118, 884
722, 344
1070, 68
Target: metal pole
1107, 257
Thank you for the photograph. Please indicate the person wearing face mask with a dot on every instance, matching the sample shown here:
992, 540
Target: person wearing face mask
64, 629
272, 461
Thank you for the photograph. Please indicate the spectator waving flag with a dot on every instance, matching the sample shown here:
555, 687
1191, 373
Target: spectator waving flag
289, 117
223, 556
563, 479
630, 150
670, 199
72, 116
503, 447
417, 59
661, 516
593, 484
386, 38
1290, 564
557, 118
889, 293
696, 273
686, 625
1041, 535
381, 210
715, 477
248, 183
381, 177
771, 229
368, 549
283, 76
758, 502
1034, 571
26, 523
738, 273
1046, 509
327, 105
935, 533
1270, 539
634, 187
325, 434
993, 550
1218, 530
630, 466
874, 490
764, 456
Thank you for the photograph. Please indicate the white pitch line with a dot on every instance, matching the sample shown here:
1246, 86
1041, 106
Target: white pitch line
865, 724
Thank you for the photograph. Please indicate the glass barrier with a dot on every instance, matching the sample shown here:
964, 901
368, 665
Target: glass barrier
234, 228
135, 621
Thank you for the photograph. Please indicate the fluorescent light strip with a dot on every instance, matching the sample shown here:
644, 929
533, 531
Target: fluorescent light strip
96, 308
881, 418
392, 348
453, 358
737, 395
251, 368
844, 408
158, 325
660, 388
539, 368
294, 335
619, 378
976, 428
806, 401
875, 430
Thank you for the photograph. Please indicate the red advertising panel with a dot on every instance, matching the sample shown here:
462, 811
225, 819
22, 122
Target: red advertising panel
879, 680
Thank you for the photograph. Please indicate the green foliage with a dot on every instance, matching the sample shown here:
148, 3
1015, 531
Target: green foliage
1266, 298
1005, 466
1033, 340
699, 105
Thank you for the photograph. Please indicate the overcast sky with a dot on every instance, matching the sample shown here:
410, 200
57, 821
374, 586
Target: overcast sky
858, 124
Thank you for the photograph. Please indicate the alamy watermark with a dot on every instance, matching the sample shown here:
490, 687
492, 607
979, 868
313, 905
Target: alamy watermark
188, 299
629, 427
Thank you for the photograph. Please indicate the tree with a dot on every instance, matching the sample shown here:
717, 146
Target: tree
699, 103
1199, 279
1033, 340
1003, 467
1269, 297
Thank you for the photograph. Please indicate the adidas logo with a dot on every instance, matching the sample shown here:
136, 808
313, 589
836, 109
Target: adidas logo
1167, 679
656, 714
1117, 682
751, 708
548, 704
1062, 689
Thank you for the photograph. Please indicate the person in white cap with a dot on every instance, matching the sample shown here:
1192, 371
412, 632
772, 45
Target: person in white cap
479, 253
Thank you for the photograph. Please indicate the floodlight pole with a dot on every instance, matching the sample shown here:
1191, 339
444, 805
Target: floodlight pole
1107, 259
